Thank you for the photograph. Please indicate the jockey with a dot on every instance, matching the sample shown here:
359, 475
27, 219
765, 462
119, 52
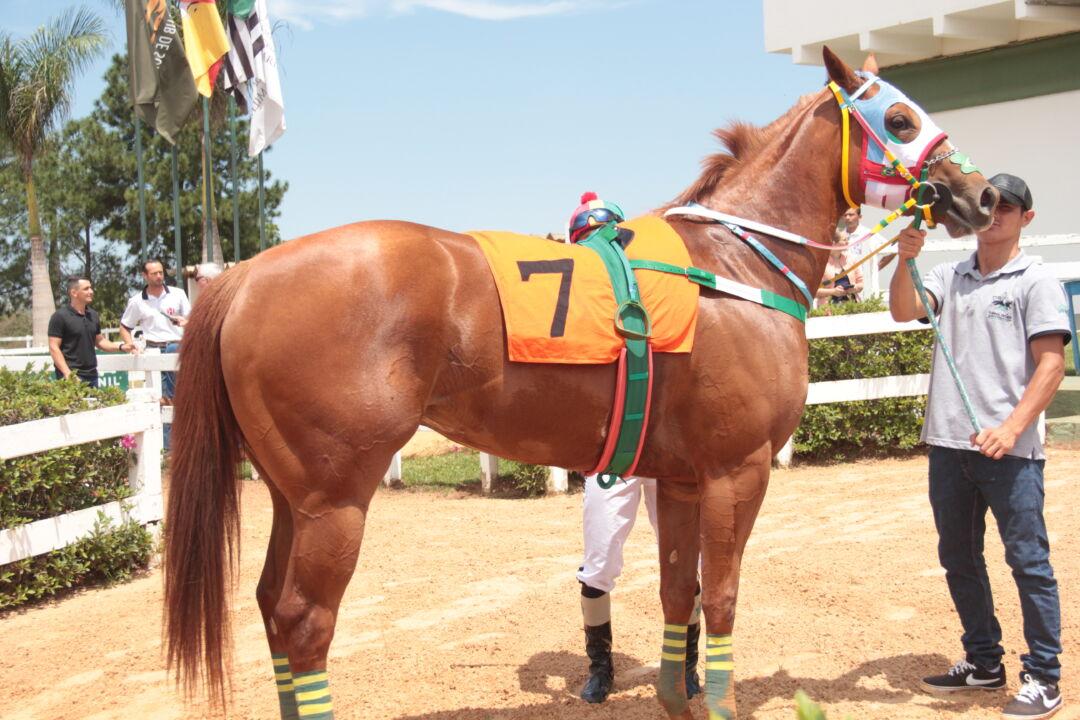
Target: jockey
607, 518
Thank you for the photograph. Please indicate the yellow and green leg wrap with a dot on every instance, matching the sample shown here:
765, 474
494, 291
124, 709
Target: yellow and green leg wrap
284, 680
312, 690
719, 677
670, 687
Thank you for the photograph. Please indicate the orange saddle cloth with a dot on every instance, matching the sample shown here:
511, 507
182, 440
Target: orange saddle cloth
557, 301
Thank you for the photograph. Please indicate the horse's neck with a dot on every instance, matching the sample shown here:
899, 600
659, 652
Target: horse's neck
792, 185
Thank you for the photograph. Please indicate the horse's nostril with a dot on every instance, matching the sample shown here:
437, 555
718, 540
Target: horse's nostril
988, 199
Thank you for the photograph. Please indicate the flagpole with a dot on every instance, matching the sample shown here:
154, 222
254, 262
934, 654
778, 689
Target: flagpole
262, 207
207, 220
142, 188
177, 240
232, 170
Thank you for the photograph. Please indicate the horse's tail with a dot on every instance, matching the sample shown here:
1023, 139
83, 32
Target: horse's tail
202, 516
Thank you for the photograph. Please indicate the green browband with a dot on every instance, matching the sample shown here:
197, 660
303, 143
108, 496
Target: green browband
710, 280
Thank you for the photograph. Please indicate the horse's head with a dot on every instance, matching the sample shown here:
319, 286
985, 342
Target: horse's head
892, 134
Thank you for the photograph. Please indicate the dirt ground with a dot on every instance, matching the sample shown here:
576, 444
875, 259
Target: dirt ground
467, 608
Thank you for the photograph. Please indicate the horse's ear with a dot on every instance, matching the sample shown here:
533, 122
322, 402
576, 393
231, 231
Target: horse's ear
870, 65
838, 70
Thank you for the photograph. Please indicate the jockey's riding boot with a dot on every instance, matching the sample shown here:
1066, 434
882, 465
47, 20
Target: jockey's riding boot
693, 685
601, 667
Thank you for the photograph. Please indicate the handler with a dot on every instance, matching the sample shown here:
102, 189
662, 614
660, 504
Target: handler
1005, 318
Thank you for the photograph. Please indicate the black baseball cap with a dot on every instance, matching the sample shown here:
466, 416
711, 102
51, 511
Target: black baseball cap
1013, 190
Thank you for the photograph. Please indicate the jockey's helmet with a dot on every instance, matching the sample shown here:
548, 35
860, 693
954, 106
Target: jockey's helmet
593, 212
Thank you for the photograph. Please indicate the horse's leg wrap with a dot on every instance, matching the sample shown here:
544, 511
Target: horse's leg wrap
284, 680
719, 677
671, 687
313, 695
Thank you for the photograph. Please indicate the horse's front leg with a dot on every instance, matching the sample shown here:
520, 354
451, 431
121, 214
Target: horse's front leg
677, 524
729, 506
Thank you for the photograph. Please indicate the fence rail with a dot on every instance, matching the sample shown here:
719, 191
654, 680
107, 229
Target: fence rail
139, 417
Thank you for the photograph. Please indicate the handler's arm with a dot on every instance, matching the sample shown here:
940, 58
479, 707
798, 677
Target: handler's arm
1048, 352
904, 302
58, 357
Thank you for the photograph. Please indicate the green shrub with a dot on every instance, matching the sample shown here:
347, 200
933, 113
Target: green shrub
43, 485
52, 483
839, 431
107, 556
530, 480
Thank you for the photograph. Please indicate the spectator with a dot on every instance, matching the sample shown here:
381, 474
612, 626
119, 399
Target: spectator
160, 312
862, 243
206, 272
844, 289
74, 332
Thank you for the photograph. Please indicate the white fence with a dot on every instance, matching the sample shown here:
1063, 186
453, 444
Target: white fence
139, 417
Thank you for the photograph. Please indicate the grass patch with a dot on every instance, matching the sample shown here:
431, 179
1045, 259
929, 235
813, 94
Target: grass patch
454, 470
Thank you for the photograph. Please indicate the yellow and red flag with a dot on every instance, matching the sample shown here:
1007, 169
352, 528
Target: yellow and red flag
205, 42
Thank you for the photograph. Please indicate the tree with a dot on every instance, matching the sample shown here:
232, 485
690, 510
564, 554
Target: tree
109, 155
37, 75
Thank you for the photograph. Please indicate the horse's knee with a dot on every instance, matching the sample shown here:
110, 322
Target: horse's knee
307, 629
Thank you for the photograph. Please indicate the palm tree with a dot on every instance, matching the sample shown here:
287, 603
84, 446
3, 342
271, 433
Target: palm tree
37, 75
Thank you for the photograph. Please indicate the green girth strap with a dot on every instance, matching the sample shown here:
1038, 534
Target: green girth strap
707, 279
633, 324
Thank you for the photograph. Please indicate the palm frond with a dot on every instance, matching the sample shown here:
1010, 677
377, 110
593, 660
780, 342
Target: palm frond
49, 60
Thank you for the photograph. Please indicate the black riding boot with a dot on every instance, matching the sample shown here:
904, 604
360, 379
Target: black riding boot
693, 685
601, 668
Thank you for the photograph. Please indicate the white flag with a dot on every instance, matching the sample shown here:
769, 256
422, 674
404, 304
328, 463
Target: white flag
267, 105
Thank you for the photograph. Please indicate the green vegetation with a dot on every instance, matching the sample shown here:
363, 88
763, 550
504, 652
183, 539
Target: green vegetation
461, 471
838, 431
52, 483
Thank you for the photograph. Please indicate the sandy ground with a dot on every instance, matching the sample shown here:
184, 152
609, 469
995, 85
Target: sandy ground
464, 607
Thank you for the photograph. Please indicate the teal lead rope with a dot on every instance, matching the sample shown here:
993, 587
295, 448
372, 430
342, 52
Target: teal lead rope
916, 278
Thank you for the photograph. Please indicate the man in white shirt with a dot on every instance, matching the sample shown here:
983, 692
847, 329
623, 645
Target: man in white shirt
161, 312
862, 242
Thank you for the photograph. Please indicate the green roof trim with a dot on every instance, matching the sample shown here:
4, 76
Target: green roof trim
1011, 72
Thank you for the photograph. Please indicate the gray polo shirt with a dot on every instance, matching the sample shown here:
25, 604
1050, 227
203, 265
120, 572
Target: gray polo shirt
988, 323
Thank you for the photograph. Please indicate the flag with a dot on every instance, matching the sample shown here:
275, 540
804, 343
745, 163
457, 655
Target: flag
159, 80
205, 41
245, 41
252, 58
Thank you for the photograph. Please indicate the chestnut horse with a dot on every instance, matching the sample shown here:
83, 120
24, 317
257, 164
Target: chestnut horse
319, 358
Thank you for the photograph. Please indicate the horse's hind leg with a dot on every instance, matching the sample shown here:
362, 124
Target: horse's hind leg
729, 506
268, 593
677, 516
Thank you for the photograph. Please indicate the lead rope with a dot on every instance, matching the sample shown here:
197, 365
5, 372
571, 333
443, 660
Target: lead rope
916, 279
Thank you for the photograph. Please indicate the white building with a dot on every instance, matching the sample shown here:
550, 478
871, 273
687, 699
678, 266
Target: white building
1002, 78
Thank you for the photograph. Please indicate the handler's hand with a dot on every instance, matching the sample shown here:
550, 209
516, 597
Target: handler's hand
995, 442
910, 243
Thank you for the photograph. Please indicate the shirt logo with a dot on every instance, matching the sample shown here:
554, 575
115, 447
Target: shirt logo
1001, 308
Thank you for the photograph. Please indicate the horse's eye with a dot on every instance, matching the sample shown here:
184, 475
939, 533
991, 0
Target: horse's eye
898, 122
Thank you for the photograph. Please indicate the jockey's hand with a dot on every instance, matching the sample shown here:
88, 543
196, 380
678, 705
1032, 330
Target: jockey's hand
994, 443
909, 243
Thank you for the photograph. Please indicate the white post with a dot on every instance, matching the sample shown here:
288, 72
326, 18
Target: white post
558, 480
393, 473
489, 471
784, 456
145, 477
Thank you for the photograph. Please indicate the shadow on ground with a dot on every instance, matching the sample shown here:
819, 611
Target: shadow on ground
892, 680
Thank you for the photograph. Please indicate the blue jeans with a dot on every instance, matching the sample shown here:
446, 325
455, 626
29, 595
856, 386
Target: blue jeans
963, 484
168, 389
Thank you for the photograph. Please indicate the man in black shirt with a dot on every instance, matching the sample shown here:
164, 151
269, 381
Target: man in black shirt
74, 332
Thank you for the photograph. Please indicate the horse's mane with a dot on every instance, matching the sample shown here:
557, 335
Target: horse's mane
742, 141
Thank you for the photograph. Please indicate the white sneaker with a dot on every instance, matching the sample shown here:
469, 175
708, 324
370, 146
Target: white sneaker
1035, 699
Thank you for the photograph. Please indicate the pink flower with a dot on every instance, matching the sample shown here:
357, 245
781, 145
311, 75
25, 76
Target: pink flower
128, 442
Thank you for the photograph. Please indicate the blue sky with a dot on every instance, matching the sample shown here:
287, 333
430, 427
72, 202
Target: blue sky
496, 114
